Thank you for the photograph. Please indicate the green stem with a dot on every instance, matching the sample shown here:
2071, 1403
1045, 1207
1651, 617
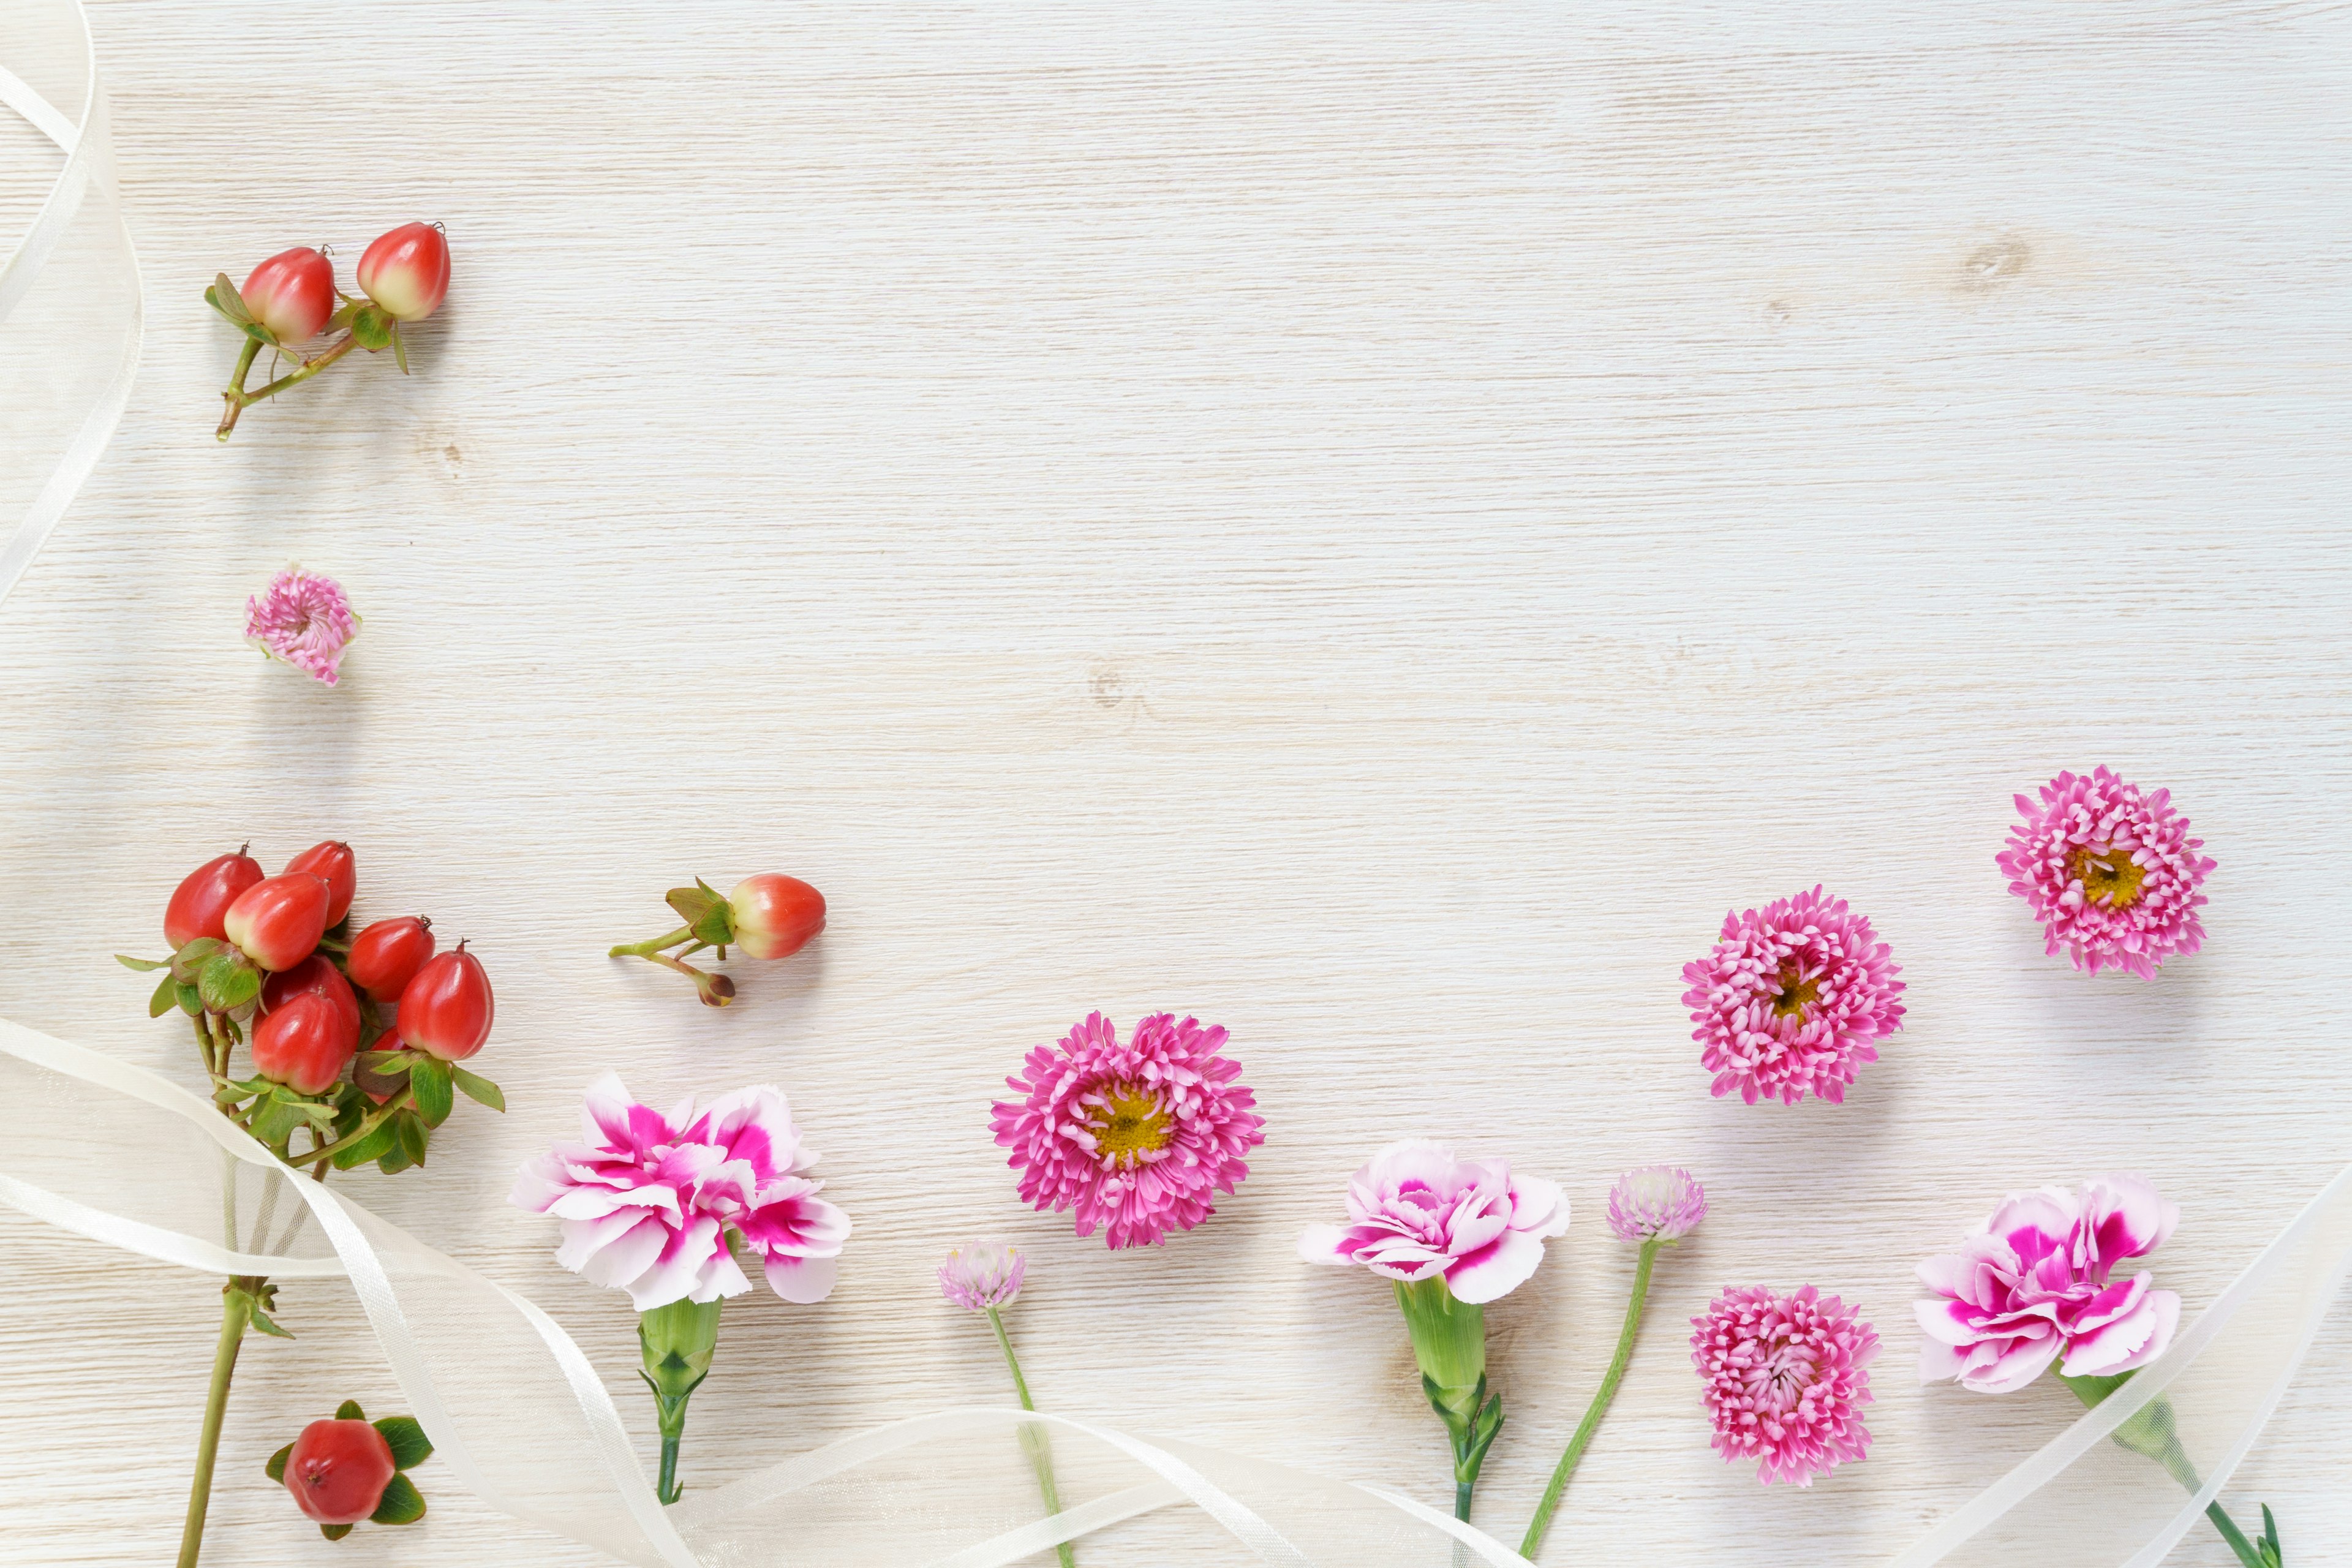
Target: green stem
374, 1119
1600, 1400
1033, 1437
651, 946
233, 1297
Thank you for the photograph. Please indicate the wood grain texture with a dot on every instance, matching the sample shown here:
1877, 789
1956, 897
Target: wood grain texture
1373, 524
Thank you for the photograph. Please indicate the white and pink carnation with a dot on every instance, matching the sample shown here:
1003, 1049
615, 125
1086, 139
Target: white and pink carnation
2040, 1282
1416, 1212
648, 1201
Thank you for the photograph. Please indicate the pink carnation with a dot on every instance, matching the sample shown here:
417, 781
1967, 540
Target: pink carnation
1415, 1212
1136, 1137
2112, 874
304, 620
982, 1274
1791, 999
2038, 1283
647, 1201
1785, 1380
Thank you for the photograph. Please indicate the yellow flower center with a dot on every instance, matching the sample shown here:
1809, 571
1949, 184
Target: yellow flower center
1130, 1124
1796, 994
2108, 875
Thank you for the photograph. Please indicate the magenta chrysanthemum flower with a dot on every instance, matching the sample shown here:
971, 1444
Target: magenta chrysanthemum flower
1791, 999
2112, 874
647, 1201
981, 1276
1136, 1137
304, 620
1660, 1201
1785, 1380
2038, 1283
1415, 1213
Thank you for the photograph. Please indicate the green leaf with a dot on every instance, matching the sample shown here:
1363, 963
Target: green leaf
410, 1447
334, 1531
264, 1322
402, 1504
429, 1081
413, 1137
166, 997
372, 327
228, 981
143, 965
192, 1002
374, 1146
349, 1410
480, 1090
276, 1466
223, 297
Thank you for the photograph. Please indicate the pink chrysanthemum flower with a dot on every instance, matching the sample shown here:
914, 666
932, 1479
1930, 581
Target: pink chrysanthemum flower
1415, 1213
1785, 1380
649, 1200
1136, 1138
2038, 1283
981, 1276
1792, 998
2112, 874
302, 619
1661, 1201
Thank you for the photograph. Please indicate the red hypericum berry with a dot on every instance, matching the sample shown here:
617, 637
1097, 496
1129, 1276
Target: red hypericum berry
406, 271
278, 920
774, 914
386, 955
314, 976
332, 864
305, 1043
445, 1011
204, 897
338, 1470
292, 294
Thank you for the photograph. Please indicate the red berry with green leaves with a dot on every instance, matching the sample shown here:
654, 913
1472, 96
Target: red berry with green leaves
305, 1043
278, 922
338, 1470
203, 896
332, 864
292, 294
386, 955
406, 271
774, 915
314, 976
446, 1010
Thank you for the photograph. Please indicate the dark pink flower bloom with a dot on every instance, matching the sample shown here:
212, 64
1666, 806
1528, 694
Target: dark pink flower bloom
2038, 1283
2112, 874
1136, 1138
1792, 998
1785, 1380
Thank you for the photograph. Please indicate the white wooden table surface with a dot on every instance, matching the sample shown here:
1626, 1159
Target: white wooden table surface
1373, 524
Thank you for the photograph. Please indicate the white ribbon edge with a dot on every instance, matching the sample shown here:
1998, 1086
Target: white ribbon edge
87, 162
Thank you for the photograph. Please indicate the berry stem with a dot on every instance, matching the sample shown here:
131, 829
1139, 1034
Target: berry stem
1600, 1400
1033, 1437
651, 945
234, 1297
238, 398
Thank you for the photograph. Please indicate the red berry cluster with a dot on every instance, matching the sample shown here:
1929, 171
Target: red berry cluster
348, 1468
291, 299
275, 955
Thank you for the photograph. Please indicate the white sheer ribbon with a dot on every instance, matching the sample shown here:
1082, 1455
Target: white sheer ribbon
82, 319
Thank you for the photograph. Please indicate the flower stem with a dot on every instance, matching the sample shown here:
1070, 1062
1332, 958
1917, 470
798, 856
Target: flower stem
234, 1298
1600, 1400
1033, 1437
2154, 1432
651, 945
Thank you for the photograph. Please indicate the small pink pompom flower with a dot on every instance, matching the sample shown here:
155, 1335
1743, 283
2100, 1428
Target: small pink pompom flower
648, 1200
1790, 999
2111, 874
1415, 1213
981, 1276
1786, 1379
1136, 1138
2038, 1283
302, 619
1661, 1201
